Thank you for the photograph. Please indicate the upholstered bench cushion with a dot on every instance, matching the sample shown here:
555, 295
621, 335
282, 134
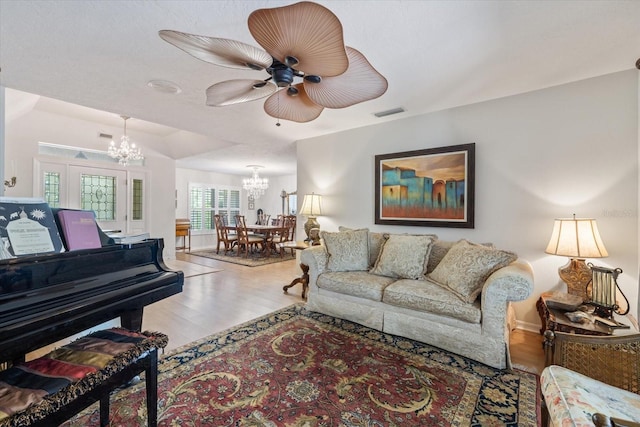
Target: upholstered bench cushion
44, 385
573, 398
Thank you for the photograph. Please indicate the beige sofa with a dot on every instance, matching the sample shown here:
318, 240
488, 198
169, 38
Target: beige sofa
452, 295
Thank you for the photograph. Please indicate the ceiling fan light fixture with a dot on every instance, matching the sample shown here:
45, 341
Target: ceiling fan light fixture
291, 61
312, 79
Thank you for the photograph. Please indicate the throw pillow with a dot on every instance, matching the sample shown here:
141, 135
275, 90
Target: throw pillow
348, 250
376, 240
404, 256
466, 267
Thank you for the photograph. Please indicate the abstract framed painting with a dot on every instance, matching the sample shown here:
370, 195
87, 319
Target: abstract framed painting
433, 187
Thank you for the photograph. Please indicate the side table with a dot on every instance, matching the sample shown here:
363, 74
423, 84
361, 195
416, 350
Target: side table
554, 320
304, 279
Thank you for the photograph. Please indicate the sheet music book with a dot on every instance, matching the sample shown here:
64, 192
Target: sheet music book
125, 238
80, 229
27, 227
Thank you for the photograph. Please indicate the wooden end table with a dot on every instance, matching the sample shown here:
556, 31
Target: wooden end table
304, 279
555, 320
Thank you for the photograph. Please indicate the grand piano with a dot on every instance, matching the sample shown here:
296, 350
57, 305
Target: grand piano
47, 298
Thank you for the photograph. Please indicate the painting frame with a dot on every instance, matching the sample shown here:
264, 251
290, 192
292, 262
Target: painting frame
432, 187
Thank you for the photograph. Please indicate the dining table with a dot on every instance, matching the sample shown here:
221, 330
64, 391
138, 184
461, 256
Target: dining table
267, 231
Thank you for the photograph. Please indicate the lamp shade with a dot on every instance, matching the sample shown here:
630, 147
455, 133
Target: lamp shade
311, 205
576, 238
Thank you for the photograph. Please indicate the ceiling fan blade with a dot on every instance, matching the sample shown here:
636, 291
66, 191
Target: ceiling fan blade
297, 108
236, 91
306, 31
361, 82
223, 52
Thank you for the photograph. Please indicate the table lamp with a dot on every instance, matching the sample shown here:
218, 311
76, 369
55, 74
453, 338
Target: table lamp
311, 208
576, 238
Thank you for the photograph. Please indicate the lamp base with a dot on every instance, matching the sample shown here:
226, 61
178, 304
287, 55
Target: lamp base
311, 223
576, 274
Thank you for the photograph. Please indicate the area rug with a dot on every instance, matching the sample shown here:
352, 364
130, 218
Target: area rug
253, 260
299, 368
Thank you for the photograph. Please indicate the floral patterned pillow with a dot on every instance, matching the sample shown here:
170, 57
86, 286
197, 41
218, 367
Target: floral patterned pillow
466, 267
404, 256
348, 250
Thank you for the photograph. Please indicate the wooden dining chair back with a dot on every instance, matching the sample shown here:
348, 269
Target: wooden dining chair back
225, 237
263, 219
287, 234
290, 221
247, 242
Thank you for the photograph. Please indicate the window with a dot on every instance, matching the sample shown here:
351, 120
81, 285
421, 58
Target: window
136, 204
205, 201
52, 189
98, 194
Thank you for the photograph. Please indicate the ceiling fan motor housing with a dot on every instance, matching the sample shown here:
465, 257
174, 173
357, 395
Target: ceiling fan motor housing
282, 75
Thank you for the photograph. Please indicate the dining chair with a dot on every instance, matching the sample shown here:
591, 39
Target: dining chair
287, 234
246, 241
224, 236
263, 219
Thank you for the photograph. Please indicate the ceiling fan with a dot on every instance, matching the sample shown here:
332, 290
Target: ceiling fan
301, 41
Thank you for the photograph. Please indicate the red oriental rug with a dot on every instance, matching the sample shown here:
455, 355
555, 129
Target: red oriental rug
300, 368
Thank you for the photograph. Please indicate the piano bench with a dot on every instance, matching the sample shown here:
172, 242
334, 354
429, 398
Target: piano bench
51, 389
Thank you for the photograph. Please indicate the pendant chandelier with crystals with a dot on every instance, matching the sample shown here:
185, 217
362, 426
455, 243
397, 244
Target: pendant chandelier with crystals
127, 151
255, 185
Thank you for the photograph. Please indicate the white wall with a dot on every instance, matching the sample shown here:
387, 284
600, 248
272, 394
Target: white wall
21, 148
539, 156
270, 202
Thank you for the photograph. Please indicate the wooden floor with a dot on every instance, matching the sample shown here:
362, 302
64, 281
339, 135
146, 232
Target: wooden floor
218, 295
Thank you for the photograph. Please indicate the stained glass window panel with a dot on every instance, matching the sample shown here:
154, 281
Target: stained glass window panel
98, 194
52, 189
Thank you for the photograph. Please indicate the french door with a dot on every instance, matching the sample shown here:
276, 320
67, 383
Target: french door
117, 196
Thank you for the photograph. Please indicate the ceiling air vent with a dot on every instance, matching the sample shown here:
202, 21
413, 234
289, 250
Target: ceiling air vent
104, 135
389, 112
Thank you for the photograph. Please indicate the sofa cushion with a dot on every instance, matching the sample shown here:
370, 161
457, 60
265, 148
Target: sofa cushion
429, 297
355, 283
348, 250
438, 250
376, 241
404, 256
466, 267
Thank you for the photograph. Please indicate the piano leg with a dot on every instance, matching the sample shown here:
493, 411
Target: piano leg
132, 319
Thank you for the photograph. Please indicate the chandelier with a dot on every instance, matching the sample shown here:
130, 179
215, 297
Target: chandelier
255, 185
127, 151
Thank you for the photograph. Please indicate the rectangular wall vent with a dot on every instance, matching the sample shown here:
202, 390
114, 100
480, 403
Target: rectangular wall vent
389, 112
104, 135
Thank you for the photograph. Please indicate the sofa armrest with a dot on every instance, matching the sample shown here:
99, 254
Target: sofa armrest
511, 283
316, 257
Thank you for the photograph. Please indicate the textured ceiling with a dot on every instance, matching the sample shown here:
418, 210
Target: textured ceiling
434, 54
